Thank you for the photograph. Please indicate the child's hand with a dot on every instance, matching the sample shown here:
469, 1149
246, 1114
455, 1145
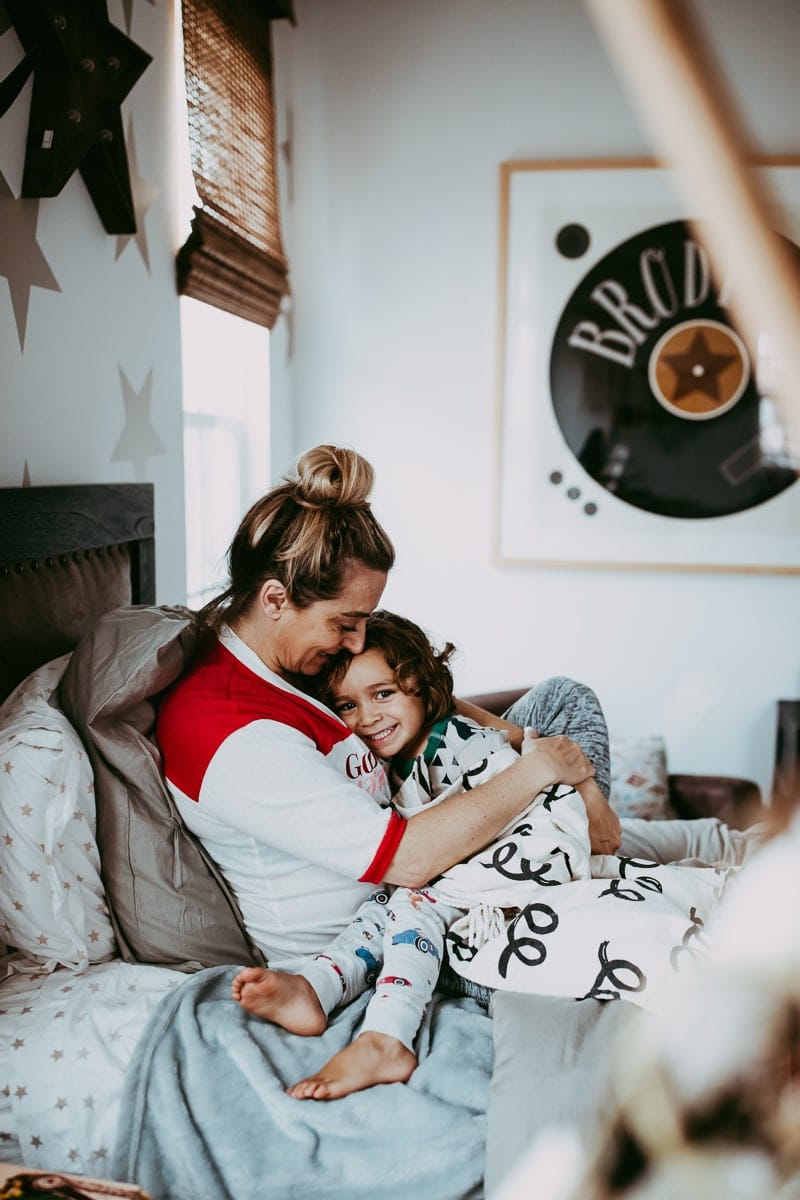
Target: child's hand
529, 736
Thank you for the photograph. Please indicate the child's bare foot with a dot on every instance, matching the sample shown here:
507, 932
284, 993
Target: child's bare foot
372, 1058
286, 1000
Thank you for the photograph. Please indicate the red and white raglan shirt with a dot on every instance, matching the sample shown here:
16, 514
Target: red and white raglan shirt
288, 802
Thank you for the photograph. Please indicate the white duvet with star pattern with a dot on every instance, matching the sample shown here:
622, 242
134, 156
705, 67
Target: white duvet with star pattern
65, 1044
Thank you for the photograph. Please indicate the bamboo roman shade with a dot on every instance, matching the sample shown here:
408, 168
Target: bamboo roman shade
233, 257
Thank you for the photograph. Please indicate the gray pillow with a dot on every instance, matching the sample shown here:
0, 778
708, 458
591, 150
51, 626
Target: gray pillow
552, 1060
168, 902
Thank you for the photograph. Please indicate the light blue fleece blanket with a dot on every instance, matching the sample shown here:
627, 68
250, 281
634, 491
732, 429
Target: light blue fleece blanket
205, 1114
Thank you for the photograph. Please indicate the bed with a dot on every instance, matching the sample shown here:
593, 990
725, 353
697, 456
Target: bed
99, 1038
67, 553
75, 1004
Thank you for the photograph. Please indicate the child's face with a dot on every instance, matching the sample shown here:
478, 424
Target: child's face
368, 700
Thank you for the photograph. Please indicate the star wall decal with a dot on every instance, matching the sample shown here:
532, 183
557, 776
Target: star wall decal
144, 196
127, 12
83, 68
138, 441
5, 20
22, 260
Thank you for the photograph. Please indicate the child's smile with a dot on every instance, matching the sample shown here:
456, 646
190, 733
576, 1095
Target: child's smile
369, 701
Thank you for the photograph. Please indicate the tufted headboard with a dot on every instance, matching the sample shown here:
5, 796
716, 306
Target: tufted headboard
68, 553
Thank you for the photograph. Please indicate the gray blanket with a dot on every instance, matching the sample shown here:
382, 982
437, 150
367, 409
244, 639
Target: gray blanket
205, 1114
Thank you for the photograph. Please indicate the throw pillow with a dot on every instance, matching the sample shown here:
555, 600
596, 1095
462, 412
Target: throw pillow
52, 902
639, 782
170, 902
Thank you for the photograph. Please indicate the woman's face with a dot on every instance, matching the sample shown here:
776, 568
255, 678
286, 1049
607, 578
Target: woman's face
307, 637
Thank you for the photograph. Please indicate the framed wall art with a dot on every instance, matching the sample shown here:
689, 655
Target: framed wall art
635, 426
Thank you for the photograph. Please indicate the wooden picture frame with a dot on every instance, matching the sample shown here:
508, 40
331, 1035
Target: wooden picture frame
623, 441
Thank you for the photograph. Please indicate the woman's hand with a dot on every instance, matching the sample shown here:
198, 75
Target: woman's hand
559, 755
605, 831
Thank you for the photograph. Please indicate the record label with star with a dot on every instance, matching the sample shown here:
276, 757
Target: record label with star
653, 388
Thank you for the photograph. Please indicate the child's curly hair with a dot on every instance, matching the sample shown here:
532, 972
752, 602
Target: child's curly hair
419, 669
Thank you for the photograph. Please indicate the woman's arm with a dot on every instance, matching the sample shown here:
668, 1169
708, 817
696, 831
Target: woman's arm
482, 716
563, 705
605, 831
440, 836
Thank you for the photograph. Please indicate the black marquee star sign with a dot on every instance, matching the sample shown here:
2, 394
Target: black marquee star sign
127, 12
83, 68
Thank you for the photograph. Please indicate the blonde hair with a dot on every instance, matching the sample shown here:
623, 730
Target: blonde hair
304, 533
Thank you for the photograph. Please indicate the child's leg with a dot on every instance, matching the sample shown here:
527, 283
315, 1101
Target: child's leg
352, 961
413, 948
704, 840
302, 1001
382, 1052
560, 705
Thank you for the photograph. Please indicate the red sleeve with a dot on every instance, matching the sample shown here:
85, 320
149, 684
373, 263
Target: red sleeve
386, 850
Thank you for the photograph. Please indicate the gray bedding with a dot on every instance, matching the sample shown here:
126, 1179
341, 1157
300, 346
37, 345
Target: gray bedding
204, 1112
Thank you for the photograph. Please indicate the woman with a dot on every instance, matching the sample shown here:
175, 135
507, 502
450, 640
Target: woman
289, 803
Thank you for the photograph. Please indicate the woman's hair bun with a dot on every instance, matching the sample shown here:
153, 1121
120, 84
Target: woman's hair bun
332, 477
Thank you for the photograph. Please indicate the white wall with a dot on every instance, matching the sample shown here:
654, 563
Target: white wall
399, 113
62, 400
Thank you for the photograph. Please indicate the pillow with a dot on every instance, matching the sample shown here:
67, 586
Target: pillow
170, 903
568, 1048
639, 783
52, 903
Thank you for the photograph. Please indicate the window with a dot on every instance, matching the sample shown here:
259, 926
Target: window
231, 270
225, 436
233, 257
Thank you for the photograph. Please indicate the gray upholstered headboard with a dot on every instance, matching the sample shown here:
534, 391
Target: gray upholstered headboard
68, 553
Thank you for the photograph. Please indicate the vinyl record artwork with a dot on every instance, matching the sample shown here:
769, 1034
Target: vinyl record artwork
636, 427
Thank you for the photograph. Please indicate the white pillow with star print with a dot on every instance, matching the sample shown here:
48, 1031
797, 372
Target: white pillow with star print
52, 903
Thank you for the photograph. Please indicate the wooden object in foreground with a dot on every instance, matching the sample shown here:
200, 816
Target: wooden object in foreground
23, 1182
659, 54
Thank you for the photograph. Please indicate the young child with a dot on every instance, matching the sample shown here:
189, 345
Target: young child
397, 695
